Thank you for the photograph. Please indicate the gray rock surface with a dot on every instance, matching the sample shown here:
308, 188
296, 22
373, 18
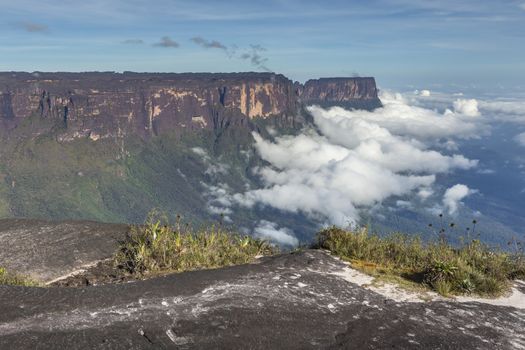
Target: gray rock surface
291, 301
46, 250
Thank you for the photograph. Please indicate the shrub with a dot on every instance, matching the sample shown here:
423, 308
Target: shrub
471, 268
7, 278
158, 247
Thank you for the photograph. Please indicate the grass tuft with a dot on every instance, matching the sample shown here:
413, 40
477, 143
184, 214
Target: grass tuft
7, 278
473, 268
157, 248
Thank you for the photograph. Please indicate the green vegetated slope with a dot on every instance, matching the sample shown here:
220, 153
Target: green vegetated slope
122, 179
108, 179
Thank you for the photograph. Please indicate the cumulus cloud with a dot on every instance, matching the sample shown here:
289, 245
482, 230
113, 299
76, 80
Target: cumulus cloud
453, 196
133, 42
271, 231
520, 139
467, 107
425, 193
356, 159
510, 110
167, 42
400, 118
32, 27
213, 44
424, 93
505, 110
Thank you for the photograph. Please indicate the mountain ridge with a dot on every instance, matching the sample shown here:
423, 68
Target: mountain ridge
101, 104
112, 146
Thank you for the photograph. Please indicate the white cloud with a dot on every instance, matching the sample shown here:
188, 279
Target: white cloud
424, 93
356, 160
490, 111
520, 139
219, 200
400, 118
200, 151
467, 107
505, 110
213, 166
453, 196
271, 231
425, 193
404, 204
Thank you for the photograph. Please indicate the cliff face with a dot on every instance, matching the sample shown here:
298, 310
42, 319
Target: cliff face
339, 89
345, 92
99, 105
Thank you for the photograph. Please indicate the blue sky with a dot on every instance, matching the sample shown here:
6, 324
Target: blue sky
403, 43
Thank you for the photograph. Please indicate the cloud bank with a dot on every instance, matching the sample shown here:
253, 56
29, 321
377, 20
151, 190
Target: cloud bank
467, 107
271, 231
357, 159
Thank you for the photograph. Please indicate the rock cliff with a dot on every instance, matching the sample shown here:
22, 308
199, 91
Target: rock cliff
112, 146
351, 92
98, 105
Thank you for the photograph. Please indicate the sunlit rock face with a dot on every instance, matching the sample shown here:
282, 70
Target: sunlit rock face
101, 105
346, 92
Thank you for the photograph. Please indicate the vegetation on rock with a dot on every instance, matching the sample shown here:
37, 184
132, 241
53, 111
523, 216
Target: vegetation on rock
158, 247
7, 278
472, 268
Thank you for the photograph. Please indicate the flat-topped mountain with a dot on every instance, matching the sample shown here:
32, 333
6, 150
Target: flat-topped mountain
99, 105
112, 146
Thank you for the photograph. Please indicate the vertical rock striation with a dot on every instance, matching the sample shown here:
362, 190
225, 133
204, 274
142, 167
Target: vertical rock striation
98, 105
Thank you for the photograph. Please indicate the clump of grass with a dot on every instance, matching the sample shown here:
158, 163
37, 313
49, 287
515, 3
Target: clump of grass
472, 268
7, 278
157, 247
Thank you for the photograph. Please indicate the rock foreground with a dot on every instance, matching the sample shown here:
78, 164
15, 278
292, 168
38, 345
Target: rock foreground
45, 251
300, 300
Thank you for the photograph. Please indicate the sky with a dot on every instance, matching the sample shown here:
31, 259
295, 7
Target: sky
403, 43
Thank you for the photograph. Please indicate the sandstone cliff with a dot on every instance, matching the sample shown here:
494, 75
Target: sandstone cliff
99, 105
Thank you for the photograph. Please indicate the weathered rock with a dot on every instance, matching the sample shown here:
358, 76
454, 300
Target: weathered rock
292, 301
344, 92
45, 251
101, 105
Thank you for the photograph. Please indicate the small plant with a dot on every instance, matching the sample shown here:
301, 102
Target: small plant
7, 278
441, 270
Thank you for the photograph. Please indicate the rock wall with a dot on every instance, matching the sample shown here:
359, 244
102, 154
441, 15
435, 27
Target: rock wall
345, 92
99, 105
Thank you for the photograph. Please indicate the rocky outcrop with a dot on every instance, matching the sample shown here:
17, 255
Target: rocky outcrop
98, 105
45, 250
346, 92
303, 300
